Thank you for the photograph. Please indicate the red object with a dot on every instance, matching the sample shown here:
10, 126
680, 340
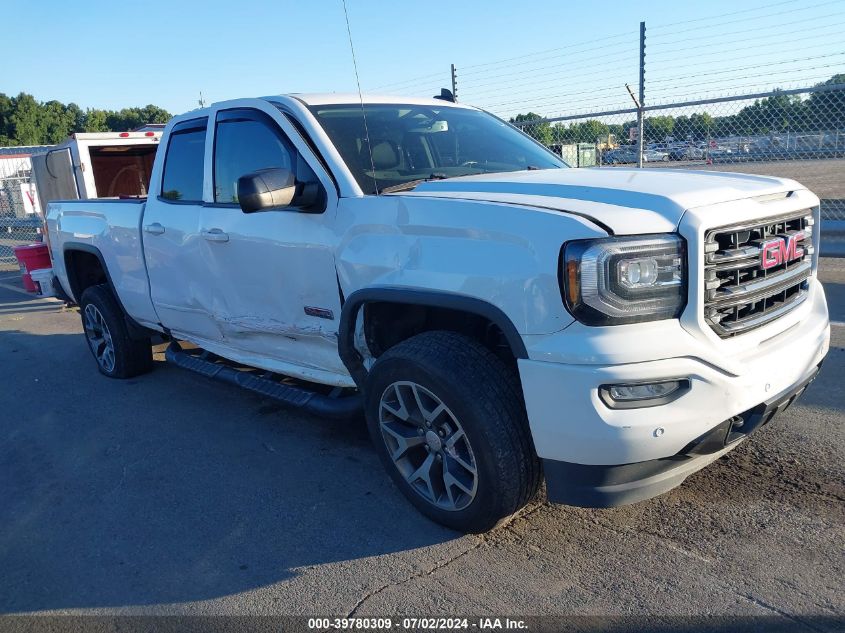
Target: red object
149, 133
32, 257
124, 135
28, 284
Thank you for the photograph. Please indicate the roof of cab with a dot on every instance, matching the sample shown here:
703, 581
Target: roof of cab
329, 98
341, 98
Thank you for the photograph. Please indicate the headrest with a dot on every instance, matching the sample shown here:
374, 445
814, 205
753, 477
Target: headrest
385, 155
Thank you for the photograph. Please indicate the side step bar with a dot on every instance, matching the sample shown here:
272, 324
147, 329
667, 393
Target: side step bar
296, 397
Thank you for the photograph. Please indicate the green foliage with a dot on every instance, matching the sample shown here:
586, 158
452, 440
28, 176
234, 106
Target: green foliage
658, 127
25, 121
778, 113
540, 131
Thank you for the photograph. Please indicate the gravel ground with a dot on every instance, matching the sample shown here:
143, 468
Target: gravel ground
171, 494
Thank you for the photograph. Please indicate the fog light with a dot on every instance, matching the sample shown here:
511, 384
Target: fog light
644, 394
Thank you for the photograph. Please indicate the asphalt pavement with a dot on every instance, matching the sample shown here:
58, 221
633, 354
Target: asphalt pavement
173, 494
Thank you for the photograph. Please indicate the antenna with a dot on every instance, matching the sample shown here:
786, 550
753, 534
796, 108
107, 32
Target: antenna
360, 96
201, 101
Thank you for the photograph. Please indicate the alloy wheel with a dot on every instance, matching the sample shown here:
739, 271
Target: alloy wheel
99, 338
428, 445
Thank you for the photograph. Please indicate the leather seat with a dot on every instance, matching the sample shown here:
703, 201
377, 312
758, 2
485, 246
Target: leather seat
385, 156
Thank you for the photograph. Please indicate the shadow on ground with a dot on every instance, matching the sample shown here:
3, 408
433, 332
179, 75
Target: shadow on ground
171, 488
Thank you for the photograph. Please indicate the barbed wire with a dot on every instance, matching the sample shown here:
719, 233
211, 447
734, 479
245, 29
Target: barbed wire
544, 82
623, 96
573, 55
768, 8
549, 50
743, 32
704, 58
741, 68
411, 80
738, 90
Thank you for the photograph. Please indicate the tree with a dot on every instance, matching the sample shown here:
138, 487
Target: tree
96, 121
26, 121
657, 128
6, 109
153, 114
826, 110
541, 131
58, 122
27, 128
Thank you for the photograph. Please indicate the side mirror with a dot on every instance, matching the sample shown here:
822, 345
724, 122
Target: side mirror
271, 188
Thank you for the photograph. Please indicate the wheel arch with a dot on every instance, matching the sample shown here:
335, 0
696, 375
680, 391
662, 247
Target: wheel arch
416, 298
85, 266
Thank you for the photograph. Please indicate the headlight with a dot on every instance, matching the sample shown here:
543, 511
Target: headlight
618, 280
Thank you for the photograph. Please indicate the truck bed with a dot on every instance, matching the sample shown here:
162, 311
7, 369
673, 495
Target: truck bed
109, 229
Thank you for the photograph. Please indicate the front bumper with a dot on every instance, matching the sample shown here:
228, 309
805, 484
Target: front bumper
597, 486
595, 455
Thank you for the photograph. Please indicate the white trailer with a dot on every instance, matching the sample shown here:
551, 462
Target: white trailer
97, 165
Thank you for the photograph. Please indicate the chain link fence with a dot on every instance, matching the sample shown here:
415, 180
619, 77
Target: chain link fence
20, 221
757, 90
798, 134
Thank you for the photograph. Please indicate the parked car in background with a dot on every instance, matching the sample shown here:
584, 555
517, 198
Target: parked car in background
654, 156
720, 151
625, 155
620, 155
687, 152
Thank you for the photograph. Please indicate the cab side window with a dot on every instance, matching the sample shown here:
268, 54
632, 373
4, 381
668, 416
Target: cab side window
183, 163
247, 141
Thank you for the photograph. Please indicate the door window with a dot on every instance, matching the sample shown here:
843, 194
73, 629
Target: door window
183, 164
246, 142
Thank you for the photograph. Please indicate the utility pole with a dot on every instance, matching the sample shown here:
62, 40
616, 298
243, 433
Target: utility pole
454, 83
641, 105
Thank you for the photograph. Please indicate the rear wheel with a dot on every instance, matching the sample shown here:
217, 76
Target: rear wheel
117, 354
447, 420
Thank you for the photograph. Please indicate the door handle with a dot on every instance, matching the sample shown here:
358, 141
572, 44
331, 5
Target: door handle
154, 229
215, 235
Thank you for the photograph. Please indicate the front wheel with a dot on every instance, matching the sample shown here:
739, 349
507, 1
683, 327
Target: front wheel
117, 354
447, 419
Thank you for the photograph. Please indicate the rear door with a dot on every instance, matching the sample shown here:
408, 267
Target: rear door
272, 274
173, 246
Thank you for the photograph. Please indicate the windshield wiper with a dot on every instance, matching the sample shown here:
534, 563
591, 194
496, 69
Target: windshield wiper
407, 186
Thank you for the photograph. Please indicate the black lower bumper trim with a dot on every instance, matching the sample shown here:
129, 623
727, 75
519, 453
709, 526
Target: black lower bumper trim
604, 486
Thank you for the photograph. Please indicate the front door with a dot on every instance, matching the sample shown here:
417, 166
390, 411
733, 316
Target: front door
275, 296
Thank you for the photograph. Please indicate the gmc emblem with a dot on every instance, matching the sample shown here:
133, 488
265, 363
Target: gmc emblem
781, 250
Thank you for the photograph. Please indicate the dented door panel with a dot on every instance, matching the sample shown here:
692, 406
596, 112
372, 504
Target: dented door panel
274, 266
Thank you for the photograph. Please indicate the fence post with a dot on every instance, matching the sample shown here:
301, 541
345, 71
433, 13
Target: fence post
640, 112
454, 83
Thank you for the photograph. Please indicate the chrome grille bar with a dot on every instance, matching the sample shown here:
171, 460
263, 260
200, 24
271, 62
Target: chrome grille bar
756, 272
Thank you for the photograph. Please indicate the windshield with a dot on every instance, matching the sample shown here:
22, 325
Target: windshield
413, 142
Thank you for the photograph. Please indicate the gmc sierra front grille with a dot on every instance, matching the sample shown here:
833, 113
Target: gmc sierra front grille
756, 272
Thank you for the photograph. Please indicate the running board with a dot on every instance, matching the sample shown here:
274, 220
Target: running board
296, 397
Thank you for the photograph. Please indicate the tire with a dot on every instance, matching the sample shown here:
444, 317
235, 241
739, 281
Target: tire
480, 404
116, 353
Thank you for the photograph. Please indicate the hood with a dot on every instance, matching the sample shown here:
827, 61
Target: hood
607, 195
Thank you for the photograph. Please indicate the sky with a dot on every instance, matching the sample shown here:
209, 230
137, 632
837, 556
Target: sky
553, 57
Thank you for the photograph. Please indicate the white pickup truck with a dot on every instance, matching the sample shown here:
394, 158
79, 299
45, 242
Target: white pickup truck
499, 318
